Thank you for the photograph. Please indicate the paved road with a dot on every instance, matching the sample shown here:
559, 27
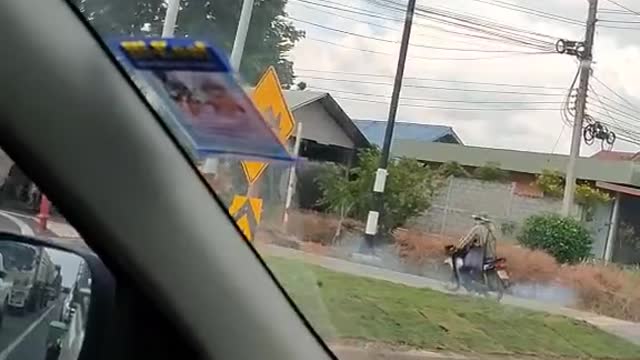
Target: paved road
624, 329
8, 225
24, 337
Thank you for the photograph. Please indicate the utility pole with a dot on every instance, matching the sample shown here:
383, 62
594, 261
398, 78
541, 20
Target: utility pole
581, 102
170, 18
292, 178
371, 228
241, 34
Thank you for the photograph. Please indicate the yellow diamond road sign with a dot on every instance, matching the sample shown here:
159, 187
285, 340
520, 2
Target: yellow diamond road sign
269, 100
247, 212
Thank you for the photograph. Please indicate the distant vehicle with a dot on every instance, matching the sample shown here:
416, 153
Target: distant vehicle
5, 289
33, 274
66, 289
54, 286
67, 308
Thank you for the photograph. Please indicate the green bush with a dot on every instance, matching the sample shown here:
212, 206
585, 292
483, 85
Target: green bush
452, 168
563, 237
490, 172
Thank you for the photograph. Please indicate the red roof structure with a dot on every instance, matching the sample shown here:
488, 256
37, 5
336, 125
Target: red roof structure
616, 155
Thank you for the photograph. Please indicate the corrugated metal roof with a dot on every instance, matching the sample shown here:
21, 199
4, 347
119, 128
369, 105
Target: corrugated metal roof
374, 131
297, 99
615, 155
620, 172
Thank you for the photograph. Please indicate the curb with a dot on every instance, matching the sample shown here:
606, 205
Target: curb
366, 353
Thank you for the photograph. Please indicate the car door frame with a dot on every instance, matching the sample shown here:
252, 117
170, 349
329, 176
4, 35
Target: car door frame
80, 129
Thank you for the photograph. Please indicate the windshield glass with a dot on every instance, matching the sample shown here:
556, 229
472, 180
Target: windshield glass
426, 179
18, 257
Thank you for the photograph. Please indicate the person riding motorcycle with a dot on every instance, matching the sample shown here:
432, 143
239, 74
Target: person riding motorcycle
477, 247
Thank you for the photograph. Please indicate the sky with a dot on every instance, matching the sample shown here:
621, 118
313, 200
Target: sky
616, 55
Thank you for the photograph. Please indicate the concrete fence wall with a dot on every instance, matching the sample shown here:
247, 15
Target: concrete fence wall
452, 207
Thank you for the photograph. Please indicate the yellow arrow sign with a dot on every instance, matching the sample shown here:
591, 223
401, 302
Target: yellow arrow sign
269, 99
247, 213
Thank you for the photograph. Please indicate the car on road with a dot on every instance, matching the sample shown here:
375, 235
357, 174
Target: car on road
67, 309
6, 286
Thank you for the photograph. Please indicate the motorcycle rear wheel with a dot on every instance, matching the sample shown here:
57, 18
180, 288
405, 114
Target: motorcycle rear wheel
495, 285
453, 284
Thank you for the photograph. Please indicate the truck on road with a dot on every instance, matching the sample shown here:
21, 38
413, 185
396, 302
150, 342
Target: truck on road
33, 273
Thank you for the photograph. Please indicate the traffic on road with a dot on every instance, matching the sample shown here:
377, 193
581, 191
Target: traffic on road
44, 295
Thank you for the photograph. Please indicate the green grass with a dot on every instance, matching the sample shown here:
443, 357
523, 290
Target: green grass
342, 306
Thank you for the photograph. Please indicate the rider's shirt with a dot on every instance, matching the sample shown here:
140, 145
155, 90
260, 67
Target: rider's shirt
480, 235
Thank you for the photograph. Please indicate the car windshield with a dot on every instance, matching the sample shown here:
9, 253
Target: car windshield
17, 256
426, 179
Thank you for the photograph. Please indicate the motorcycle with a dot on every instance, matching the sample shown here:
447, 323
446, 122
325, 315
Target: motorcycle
493, 282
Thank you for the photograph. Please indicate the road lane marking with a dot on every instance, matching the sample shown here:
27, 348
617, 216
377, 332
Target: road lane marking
6, 352
24, 228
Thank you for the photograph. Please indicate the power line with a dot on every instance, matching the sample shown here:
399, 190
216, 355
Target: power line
436, 80
434, 87
498, 30
378, 16
615, 93
329, 90
618, 21
346, 17
502, 34
447, 108
413, 44
609, 115
530, 11
613, 103
553, 150
429, 58
494, 35
462, 16
615, 111
624, 7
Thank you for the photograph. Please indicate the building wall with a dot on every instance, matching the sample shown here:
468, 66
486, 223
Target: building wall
319, 126
454, 204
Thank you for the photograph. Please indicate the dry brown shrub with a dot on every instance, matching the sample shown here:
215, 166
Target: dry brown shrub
312, 226
607, 290
418, 248
528, 266
318, 227
315, 248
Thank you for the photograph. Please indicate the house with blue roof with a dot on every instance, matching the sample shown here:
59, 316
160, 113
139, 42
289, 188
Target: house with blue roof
374, 132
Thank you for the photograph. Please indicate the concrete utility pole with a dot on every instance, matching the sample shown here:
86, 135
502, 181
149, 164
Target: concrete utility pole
581, 102
241, 34
170, 18
371, 228
292, 177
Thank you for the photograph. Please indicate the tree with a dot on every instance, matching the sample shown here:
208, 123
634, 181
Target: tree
269, 40
409, 188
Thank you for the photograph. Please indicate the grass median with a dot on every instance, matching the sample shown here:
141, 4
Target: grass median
343, 307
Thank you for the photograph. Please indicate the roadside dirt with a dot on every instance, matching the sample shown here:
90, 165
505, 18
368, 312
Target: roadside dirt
375, 351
